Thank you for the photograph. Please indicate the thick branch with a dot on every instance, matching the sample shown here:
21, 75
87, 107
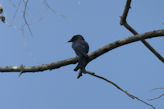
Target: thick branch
122, 42
125, 13
127, 26
92, 55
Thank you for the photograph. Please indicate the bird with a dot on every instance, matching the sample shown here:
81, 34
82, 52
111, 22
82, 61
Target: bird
81, 48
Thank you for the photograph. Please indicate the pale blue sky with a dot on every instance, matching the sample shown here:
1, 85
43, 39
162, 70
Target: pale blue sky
133, 67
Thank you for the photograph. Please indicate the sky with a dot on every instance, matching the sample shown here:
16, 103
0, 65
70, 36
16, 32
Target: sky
133, 67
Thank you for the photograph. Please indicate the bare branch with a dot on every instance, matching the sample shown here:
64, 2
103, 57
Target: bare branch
114, 84
125, 41
158, 88
16, 11
127, 26
118, 87
53, 10
92, 55
125, 13
24, 16
156, 97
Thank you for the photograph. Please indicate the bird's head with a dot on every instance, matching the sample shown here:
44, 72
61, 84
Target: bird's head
76, 37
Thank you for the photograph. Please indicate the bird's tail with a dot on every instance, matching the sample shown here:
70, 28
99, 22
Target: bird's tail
81, 63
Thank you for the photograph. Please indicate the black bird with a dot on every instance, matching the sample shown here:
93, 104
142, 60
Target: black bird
81, 48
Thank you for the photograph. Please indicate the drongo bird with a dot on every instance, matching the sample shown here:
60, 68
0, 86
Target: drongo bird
81, 48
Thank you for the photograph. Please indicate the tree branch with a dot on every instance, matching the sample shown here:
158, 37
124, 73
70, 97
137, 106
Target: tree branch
24, 16
127, 26
118, 87
156, 97
161, 95
92, 55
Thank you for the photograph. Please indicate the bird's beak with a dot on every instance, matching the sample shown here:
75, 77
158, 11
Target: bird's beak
70, 40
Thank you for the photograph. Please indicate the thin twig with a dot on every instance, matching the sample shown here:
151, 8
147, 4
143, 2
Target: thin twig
126, 25
40, 18
16, 11
24, 16
53, 10
157, 88
118, 87
26, 44
156, 97
114, 84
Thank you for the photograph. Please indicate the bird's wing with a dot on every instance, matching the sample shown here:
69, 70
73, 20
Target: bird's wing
81, 48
